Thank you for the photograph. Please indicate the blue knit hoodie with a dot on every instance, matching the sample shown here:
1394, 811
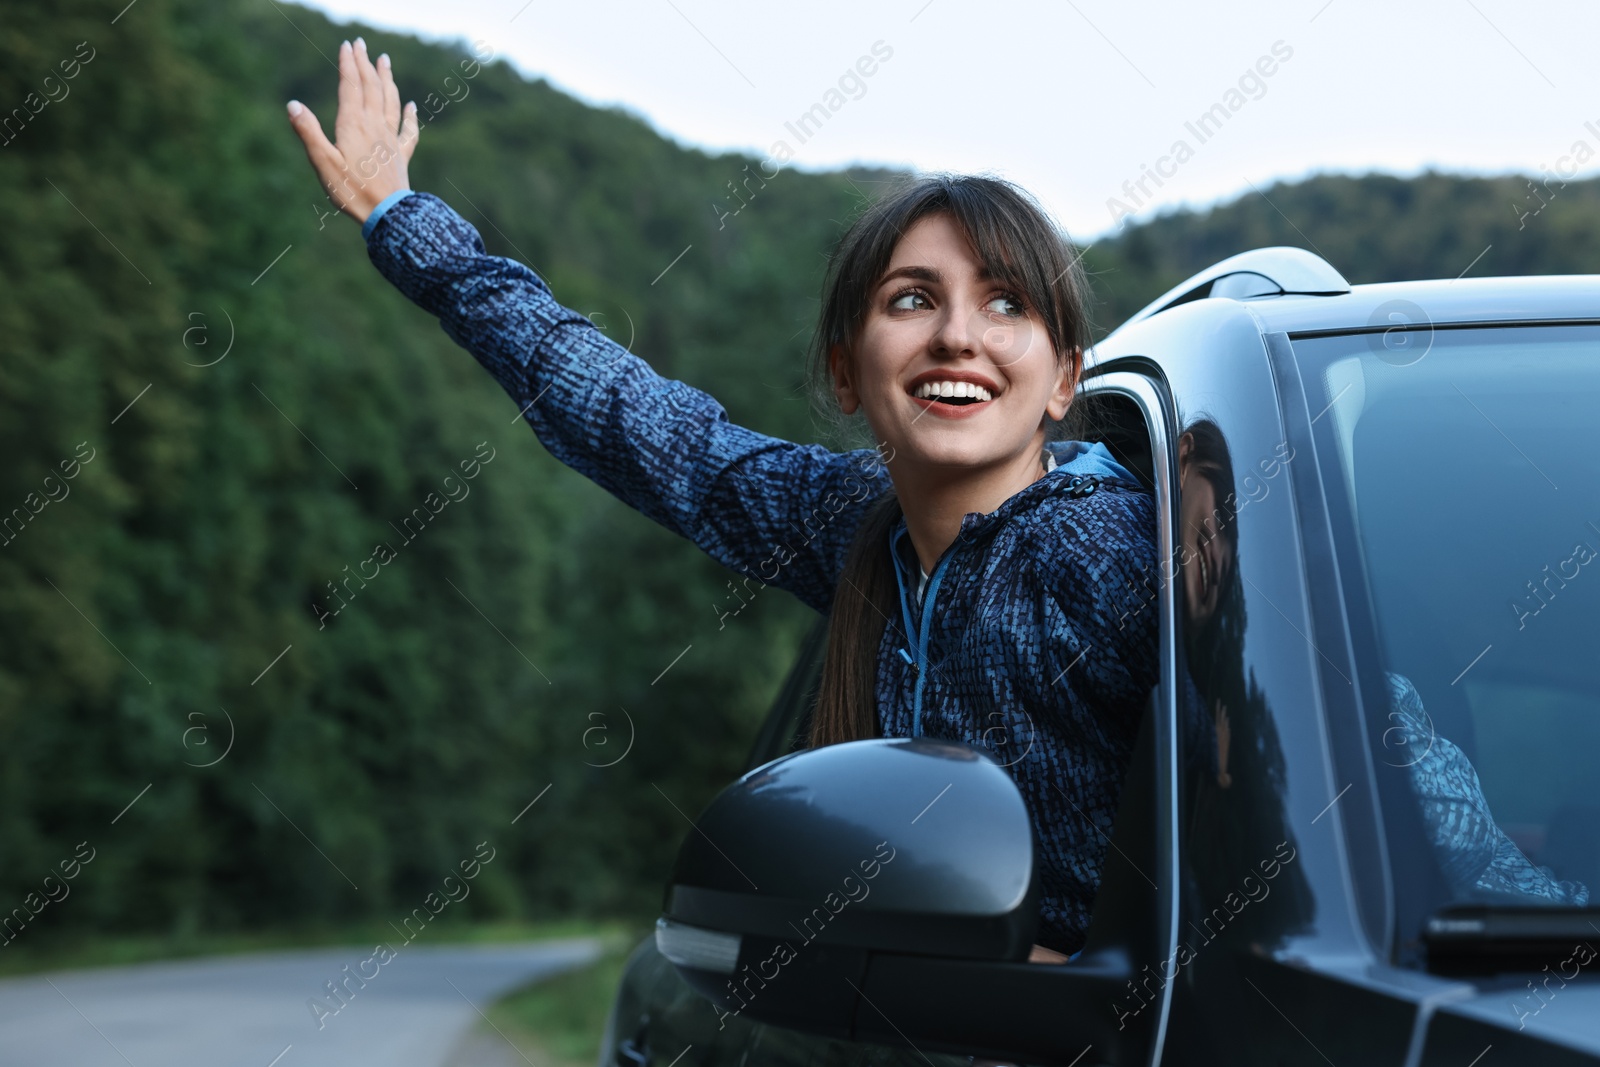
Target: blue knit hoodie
1035, 637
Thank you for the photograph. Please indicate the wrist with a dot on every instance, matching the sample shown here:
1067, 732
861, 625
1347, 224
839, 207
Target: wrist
379, 209
372, 180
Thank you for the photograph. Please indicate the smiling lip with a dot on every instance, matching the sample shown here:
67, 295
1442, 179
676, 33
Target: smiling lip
952, 411
967, 376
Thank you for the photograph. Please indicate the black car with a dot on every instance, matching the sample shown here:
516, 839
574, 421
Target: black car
1377, 595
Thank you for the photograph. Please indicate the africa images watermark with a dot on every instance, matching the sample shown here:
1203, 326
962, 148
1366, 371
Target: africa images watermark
1203, 127
1582, 955
33, 903
804, 127
1134, 601
1527, 607
853, 490
1566, 169
340, 991
33, 503
384, 553
853, 889
27, 112
1140, 996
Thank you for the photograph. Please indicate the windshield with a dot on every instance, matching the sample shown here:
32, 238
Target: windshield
1463, 473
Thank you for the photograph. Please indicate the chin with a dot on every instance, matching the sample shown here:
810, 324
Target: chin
957, 455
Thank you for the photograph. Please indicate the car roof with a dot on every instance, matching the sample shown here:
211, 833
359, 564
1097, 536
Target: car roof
1296, 291
1544, 298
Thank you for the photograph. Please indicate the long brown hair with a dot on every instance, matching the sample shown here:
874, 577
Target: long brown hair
1022, 248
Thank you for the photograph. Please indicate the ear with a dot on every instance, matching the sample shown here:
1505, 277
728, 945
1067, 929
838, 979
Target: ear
1065, 388
843, 385
1185, 446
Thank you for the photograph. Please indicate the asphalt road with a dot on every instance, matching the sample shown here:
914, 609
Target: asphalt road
251, 1011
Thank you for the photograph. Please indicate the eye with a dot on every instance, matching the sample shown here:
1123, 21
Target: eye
1008, 305
899, 300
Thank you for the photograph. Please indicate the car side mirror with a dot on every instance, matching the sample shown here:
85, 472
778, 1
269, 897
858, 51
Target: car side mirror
801, 867
886, 891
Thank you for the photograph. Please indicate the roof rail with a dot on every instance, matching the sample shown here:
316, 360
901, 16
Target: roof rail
1273, 271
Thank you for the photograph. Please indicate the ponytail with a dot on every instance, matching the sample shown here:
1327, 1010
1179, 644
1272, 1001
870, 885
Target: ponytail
865, 599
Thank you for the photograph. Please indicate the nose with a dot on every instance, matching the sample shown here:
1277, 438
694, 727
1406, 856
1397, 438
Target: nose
965, 330
955, 335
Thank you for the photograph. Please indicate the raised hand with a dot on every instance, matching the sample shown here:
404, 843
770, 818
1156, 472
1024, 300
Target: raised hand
376, 136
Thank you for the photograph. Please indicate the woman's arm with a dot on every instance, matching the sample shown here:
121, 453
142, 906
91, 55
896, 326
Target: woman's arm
779, 512
1473, 851
766, 507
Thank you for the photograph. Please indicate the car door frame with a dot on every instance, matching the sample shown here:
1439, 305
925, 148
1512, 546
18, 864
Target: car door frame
1140, 381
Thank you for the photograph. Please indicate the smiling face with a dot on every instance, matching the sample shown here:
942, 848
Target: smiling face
952, 370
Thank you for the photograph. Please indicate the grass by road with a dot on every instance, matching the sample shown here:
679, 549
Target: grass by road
557, 1022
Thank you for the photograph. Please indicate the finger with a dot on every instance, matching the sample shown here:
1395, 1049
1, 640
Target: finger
350, 94
325, 159
391, 93
409, 129
371, 85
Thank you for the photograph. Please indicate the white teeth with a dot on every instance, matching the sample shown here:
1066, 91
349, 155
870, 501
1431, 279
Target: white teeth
953, 389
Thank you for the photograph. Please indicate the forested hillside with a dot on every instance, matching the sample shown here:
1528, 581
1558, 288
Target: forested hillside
246, 409
1372, 228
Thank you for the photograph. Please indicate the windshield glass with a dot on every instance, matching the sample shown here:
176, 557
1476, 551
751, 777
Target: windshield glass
1462, 468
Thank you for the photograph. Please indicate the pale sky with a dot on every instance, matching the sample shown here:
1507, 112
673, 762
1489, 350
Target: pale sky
1069, 98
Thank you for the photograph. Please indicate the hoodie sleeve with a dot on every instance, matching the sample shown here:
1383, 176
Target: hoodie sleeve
780, 512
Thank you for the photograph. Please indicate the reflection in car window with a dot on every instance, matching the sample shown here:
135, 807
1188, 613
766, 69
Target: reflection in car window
1467, 472
1474, 853
1244, 886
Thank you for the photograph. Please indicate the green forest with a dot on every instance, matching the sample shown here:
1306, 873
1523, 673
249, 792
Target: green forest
212, 408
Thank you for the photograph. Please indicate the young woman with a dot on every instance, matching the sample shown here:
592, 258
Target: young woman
978, 577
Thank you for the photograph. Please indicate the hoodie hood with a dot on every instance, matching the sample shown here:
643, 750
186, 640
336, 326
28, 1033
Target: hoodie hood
1087, 457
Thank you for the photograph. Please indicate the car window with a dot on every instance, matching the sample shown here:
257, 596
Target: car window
1468, 482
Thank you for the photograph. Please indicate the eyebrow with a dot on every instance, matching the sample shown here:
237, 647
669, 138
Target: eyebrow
925, 274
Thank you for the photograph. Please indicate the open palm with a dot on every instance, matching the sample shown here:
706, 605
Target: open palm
375, 135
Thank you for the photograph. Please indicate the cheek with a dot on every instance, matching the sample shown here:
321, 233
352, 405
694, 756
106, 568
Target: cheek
1033, 377
1191, 513
880, 360
1016, 346
1191, 580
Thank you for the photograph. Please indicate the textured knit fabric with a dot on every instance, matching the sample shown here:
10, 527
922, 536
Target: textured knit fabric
1473, 852
1032, 652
